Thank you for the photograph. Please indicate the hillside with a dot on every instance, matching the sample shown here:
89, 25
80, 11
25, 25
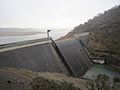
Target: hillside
22, 79
109, 20
105, 32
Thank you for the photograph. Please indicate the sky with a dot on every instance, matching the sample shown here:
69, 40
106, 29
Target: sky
50, 13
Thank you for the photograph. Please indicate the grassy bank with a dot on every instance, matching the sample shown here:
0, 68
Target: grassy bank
40, 80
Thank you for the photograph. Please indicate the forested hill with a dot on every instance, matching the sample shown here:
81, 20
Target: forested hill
105, 31
109, 20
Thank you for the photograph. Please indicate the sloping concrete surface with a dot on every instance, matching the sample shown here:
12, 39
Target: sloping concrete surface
38, 55
75, 55
43, 55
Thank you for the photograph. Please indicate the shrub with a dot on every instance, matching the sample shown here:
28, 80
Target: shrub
41, 83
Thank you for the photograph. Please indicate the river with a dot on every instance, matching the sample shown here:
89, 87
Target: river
101, 69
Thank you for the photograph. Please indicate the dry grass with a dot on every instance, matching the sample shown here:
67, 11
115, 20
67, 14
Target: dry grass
30, 75
105, 42
80, 83
22, 72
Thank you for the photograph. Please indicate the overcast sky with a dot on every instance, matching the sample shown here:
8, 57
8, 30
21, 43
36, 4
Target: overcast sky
50, 13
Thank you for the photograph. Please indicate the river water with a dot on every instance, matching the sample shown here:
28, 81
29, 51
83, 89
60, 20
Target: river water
101, 69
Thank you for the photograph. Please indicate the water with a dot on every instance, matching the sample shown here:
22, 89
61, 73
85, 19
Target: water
55, 34
101, 69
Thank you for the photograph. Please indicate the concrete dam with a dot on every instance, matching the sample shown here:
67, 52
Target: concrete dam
45, 55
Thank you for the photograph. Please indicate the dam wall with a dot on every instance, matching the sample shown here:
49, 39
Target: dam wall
45, 55
38, 55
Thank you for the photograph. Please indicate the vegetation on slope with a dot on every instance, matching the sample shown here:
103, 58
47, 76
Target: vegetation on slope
41, 83
102, 82
109, 20
22, 79
101, 43
105, 32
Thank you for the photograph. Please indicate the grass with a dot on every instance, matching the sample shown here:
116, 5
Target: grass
102, 43
47, 80
41, 83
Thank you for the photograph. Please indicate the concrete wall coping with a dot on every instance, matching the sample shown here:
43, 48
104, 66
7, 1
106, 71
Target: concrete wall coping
17, 45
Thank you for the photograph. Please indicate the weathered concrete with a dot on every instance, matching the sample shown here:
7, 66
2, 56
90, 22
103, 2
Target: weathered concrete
75, 55
37, 55
84, 38
66, 56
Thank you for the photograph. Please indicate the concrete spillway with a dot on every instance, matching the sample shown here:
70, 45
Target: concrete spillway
75, 55
45, 55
